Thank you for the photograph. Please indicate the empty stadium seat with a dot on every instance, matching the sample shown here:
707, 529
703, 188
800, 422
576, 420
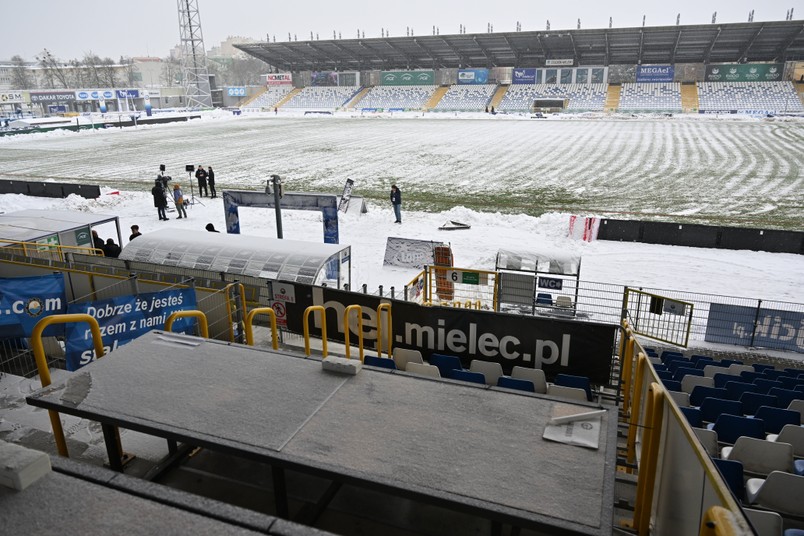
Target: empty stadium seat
533, 375
322, 98
582, 97
650, 97
466, 376
579, 382
740, 96
730, 427
712, 408
689, 383
516, 383
396, 97
759, 456
561, 391
708, 439
700, 392
732, 473
780, 492
382, 362
753, 401
466, 98
445, 363
777, 418
491, 370
423, 369
792, 434
403, 356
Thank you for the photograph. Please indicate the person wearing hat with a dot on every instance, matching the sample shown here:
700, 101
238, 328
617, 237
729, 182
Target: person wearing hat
178, 198
160, 202
135, 232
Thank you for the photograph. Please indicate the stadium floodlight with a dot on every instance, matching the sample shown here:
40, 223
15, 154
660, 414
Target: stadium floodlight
714, 17
643, 21
579, 24
678, 19
548, 25
610, 21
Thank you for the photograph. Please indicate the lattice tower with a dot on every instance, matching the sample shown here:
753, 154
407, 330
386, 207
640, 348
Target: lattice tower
195, 76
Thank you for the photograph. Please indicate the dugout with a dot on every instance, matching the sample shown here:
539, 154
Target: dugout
541, 282
268, 258
549, 105
53, 227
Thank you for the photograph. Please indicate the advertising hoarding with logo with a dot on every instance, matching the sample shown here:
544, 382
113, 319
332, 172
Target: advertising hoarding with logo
53, 96
748, 72
236, 91
94, 94
24, 301
324, 78
473, 76
525, 76
9, 97
559, 63
128, 93
407, 78
654, 73
279, 79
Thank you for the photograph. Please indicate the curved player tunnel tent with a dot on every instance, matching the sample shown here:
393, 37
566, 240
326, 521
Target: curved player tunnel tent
270, 258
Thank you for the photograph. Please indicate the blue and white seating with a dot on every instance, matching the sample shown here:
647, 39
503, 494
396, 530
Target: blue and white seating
650, 97
269, 99
520, 97
322, 98
741, 96
466, 98
390, 97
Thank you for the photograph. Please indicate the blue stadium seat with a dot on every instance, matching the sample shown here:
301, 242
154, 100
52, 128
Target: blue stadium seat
672, 385
753, 401
712, 408
543, 298
776, 418
730, 427
750, 376
700, 392
736, 389
466, 376
732, 473
382, 362
579, 382
785, 396
515, 383
693, 416
721, 379
762, 368
664, 375
683, 371
790, 382
445, 363
766, 385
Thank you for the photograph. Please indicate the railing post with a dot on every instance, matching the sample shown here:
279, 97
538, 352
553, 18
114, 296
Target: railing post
756, 321
133, 282
380, 291
365, 288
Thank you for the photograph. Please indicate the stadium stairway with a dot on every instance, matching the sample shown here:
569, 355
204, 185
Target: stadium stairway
613, 97
437, 96
800, 91
248, 100
296, 91
357, 98
689, 97
497, 98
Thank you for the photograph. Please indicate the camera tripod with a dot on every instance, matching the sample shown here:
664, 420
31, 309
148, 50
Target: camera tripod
192, 200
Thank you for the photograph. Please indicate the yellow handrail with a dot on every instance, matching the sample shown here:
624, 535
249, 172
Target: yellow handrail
229, 306
249, 325
44, 370
347, 329
650, 455
323, 312
384, 307
36, 246
202, 321
633, 424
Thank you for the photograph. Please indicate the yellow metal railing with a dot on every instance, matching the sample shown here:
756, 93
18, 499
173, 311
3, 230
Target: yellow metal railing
230, 308
658, 317
312, 309
44, 370
670, 457
387, 308
250, 325
203, 325
347, 328
43, 250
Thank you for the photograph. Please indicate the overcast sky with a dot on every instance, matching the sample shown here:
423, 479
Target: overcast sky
151, 28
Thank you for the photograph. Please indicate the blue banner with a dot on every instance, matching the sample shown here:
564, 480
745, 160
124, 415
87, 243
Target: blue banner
236, 91
128, 93
473, 76
654, 73
524, 76
24, 301
734, 324
123, 319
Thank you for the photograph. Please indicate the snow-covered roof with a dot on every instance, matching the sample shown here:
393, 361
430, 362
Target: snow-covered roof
285, 260
553, 263
33, 224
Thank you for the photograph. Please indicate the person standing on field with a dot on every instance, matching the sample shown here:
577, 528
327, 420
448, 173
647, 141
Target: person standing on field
201, 175
211, 182
160, 201
178, 198
396, 201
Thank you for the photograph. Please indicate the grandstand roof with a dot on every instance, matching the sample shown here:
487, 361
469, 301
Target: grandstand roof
705, 43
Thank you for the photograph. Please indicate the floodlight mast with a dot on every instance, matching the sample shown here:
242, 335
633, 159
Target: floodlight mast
195, 76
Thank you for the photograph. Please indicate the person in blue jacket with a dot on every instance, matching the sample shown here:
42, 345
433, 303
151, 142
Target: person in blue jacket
396, 201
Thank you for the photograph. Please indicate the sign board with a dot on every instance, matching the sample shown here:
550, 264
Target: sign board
279, 79
654, 73
524, 76
473, 76
128, 93
752, 326
53, 96
552, 283
9, 97
123, 319
407, 78
284, 292
236, 91
560, 63
24, 301
747, 72
343, 204
462, 276
94, 94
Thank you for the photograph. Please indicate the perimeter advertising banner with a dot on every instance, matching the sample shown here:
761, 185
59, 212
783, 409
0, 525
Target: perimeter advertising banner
556, 346
53, 96
473, 76
9, 97
279, 79
524, 76
324, 78
654, 73
748, 72
123, 319
236, 91
24, 301
407, 78
747, 326
94, 94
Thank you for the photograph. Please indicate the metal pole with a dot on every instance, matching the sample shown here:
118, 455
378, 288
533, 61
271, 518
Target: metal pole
276, 182
756, 320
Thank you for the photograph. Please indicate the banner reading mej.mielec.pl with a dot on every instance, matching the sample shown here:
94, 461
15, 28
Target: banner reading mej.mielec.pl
123, 319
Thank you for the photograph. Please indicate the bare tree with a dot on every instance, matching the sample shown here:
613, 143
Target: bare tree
171, 71
90, 64
21, 76
129, 73
107, 72
54, 72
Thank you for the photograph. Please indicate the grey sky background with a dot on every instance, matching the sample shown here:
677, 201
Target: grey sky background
151, 28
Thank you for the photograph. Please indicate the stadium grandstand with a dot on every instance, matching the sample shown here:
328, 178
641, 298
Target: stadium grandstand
716, 68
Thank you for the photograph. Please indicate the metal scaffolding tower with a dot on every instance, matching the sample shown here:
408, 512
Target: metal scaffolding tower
195, 76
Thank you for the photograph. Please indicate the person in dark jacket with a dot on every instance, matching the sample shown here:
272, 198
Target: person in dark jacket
396, 201
201, 175
135, 232
110, 249
97, 242
160, 202
211, 182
